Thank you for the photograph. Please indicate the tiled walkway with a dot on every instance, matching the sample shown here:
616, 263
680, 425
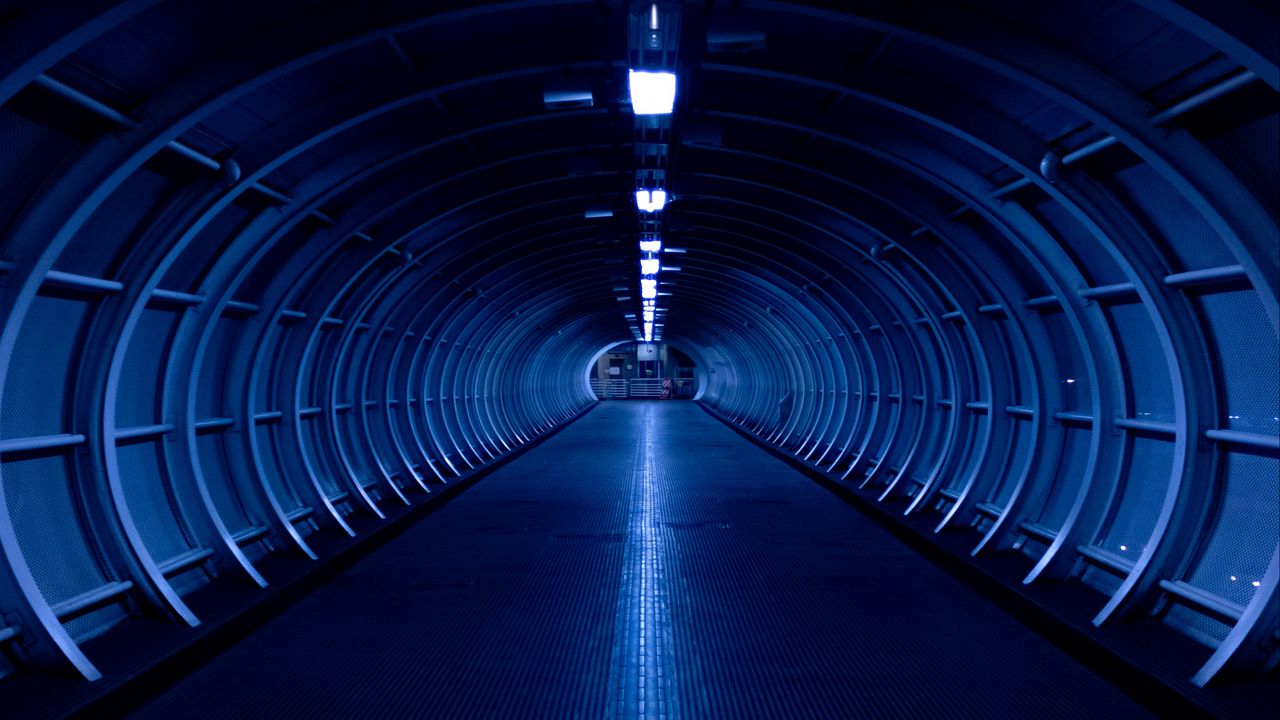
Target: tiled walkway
645, 562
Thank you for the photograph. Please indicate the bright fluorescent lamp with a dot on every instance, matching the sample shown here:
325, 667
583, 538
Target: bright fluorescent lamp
649, 267
652, 93
649, 292
651, 200
650, 245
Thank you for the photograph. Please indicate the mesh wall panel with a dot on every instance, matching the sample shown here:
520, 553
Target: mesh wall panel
1147, 372
136, 399
154, 512
33, 402
1141, 494
1070, 475
1250, 364
44, 518
222, 488
1172, 219
1245, 536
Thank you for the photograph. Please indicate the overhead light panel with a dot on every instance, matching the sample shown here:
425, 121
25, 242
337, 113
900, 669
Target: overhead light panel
649, 267
651, 200
650, 246
652, 93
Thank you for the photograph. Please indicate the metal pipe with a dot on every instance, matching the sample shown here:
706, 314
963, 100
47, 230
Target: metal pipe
1205, 276
179, 298
243, 308
41, 442
1049, 168
85, 602
96, 107
1258, 440
270, 193
142, 431
1106, 559
1105, 291
194, 155
73, 281
1162, 428
1203, 600
1042, 301
208, 424
1213, 92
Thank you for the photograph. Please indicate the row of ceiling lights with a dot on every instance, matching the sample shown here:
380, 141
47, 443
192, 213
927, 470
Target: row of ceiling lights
652, 84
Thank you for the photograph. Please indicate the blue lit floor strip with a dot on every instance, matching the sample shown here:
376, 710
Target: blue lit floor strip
642, 673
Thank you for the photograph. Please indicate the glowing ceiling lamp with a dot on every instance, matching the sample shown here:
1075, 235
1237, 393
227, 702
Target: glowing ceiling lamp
652, 93
649, 266
651, 200
651, 245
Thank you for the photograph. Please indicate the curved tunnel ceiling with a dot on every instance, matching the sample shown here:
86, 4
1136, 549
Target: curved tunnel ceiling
272, 268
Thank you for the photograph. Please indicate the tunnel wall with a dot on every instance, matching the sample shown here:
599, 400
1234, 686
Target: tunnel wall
264, 271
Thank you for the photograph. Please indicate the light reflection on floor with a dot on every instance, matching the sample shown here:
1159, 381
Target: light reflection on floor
642, 673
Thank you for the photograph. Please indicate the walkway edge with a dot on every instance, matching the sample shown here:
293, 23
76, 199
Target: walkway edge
214, 637
1087, 648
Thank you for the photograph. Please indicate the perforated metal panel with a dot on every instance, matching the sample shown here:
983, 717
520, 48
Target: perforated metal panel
49, 531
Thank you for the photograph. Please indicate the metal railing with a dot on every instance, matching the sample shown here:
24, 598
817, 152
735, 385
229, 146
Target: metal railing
646, 388
642, 388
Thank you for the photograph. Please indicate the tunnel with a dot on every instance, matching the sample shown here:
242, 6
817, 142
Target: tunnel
316, 400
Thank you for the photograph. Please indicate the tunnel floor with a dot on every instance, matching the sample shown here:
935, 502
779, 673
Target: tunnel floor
646, 561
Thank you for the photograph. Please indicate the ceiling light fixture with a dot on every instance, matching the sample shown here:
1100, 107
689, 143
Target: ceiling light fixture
651, 200
652, 93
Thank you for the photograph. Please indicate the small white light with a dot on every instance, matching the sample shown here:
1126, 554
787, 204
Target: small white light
1234, 578
1070, 380
650, 246
1256, 583
1124, 547
648, 267
652, 93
